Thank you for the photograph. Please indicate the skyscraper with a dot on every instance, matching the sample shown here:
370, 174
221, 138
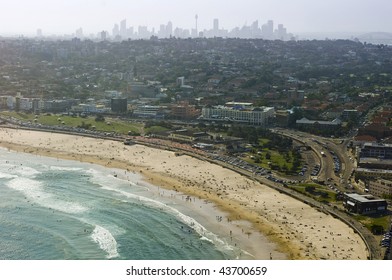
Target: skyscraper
215, 29
270, 28
123, 28
216, 24
103, 35
281, 32
169, 29
115, 30
254, 29
196, 18
39, 33
267, 30
79, 33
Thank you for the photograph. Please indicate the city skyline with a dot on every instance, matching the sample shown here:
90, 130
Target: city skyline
22, 17
121, 31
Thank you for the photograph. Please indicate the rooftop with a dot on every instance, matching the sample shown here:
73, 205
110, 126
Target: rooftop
307, 121
363, 198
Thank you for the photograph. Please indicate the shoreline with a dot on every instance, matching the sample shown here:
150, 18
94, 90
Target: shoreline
299, 231
238, 236
244, 241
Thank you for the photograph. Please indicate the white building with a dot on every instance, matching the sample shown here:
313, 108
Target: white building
25, 104
90, 108
181, 81
254, 116
148, 111
109, 94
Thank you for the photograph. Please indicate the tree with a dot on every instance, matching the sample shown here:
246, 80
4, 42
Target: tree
310, 189
99, 118
377, 229
268, 155
85, 125
296, 115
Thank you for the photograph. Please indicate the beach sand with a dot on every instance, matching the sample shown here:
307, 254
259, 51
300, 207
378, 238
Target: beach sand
289, 228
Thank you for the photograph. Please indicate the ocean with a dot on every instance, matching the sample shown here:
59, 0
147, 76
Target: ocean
53, 209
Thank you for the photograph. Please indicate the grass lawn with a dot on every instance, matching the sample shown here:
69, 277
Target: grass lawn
369, 221
155, 129
271, 159
109, 125
320, 193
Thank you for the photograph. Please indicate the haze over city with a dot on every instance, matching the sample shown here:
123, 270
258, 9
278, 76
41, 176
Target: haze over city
56, 17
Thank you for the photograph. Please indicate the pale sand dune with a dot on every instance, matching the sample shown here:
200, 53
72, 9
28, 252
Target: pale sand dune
299, 231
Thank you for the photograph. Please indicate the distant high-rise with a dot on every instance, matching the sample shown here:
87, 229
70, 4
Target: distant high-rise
39, 33
143, 32
115, 30
215, 29
281, 32
254, 30
267, 30
123, 28
216, 24
79, 33
103, 35
162, 31
270, 25
169, 29
130, 32
196, 18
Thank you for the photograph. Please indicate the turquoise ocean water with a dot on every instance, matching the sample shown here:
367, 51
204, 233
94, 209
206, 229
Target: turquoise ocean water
54, 209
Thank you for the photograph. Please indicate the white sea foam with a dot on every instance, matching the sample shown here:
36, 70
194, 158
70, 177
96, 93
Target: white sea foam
197, 227
20, 170
64, 168
116, 176
106, 241
26, 171
7, 176
35, 191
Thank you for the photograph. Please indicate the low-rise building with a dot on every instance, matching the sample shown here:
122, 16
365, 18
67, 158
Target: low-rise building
184, 111
149, 111
350, 114
374, 150
380, 188
364, 204
374, 155
306, 124
89, 109
185, 135
371, 174
57, 106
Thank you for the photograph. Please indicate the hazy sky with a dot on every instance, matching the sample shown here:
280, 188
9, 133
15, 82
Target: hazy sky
65, 16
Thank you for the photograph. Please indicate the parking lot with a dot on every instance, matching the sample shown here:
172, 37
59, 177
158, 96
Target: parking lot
386, 243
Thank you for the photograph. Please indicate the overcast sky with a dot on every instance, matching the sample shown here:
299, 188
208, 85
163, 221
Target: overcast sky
65, 16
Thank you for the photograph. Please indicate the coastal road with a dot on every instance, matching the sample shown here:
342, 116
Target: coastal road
331, 148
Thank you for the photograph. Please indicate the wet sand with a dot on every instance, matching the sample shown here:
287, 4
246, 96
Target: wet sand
289, 228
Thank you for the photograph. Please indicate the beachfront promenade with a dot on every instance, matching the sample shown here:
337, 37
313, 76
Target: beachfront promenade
374, 252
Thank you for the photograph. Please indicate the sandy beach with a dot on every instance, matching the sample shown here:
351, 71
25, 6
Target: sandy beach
258, 219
